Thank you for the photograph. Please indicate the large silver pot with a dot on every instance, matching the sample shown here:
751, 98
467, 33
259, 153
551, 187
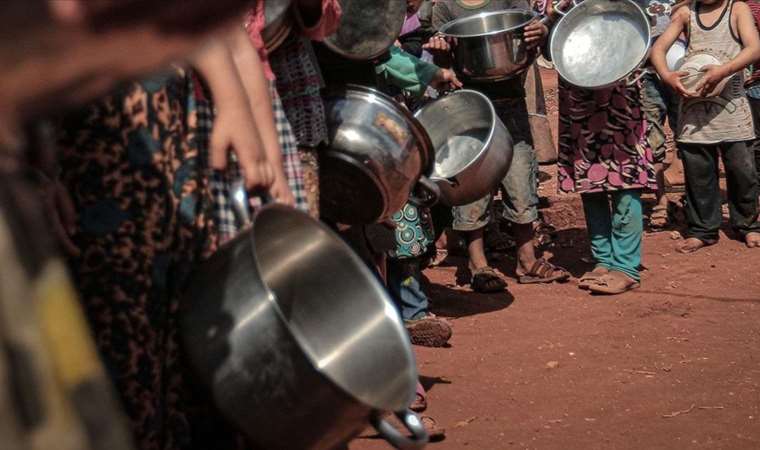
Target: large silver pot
599, 43
367, 28
299, 343
490, 46
378, 154
473, 149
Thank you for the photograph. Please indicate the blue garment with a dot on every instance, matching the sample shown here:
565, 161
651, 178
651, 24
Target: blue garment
405, 288
616, 233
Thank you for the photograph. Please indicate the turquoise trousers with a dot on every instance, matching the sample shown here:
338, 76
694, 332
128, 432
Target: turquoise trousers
615, 226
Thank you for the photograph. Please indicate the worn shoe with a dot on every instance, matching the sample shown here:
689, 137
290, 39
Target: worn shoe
429, 331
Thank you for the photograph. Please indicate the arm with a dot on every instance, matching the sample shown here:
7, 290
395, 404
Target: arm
413, 75
233, 126
678, 24
256, 93
745, 25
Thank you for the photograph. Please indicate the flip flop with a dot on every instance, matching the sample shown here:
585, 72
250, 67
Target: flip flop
486, 280
543, 272
614, 283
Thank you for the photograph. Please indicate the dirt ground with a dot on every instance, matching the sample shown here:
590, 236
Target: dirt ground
675, 364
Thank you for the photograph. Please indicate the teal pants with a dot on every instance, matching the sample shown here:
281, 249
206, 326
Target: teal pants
615, 226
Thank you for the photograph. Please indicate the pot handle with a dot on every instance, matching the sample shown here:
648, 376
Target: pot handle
559, 11
631, 81
241, 205
431, 193
397, 440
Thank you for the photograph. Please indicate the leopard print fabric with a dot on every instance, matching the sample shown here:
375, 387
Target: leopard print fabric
132, 165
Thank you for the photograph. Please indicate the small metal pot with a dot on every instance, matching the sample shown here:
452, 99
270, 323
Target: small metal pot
600, 43
378, 154
296, 339
473, 149
490, 46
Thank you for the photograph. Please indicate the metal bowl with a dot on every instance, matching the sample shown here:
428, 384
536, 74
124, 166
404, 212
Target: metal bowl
490, 46
367, 28
473, 149
598, 43
377, 154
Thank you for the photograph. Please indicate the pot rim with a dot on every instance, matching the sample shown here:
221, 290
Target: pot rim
482, 15
297, 334
486, 143
571, 13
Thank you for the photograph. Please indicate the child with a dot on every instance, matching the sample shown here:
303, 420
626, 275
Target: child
753, 91
711, 123
521, 202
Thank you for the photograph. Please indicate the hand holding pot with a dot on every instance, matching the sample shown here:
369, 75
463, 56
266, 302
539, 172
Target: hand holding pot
445, 80
437, 44
711, 80
535, 34
673, 79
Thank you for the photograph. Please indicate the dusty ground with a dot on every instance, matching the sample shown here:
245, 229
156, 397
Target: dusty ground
673, 365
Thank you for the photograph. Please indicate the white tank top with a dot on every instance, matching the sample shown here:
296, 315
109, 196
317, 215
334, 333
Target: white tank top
726, 117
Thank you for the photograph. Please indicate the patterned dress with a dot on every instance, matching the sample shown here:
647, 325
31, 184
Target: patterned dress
602, 140
132, 164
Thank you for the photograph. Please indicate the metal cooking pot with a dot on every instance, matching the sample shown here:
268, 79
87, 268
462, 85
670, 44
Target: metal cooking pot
299, 343
490, 46
599, 43
473, 149
278, 23
367, 28
378, 154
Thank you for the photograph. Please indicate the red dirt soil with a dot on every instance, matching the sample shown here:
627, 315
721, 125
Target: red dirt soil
675, 364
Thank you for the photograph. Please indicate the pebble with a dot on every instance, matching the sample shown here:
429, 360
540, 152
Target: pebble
552, 364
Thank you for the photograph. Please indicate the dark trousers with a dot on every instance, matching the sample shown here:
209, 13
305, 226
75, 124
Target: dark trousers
703, 200
755, 145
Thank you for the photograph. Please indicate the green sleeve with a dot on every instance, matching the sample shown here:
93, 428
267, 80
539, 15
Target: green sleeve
407, 72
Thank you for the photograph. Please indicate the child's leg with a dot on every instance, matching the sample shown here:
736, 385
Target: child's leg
599, 225
406, 291
741, 178
627, 231
703, 213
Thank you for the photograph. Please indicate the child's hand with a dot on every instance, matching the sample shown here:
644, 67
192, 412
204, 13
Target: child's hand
673, 79
535, 34
280, 191
437, 44
444, 80
710, 80
233, 128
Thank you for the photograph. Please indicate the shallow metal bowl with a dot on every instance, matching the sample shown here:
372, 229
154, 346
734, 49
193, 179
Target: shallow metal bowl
598, 43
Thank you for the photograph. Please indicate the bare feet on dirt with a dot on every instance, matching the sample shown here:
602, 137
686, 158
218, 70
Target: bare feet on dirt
752, 240
691, 245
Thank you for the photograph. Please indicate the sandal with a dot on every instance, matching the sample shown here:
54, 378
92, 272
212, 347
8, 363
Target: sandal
614, 283
659, 218
486, 280
590, 278
543, 272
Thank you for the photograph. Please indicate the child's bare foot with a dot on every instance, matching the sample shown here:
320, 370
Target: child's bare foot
691, 245
752, 240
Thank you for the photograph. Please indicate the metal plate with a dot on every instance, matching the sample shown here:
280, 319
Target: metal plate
600, 42
367, 28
